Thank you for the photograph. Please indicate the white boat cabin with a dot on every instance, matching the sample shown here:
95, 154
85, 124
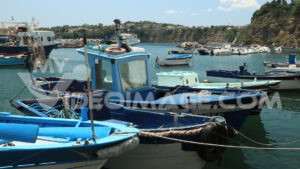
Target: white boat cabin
22, 31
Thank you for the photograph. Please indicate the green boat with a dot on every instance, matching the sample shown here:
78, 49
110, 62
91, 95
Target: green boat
186, 78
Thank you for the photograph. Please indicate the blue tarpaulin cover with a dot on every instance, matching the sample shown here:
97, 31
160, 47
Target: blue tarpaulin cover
180, 57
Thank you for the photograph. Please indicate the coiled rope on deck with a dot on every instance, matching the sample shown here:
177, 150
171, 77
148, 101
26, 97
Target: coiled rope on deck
56, 112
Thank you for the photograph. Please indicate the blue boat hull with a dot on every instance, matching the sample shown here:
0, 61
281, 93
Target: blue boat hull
47, 155
231, 114
12, 61
3, 39
55, 150
19, 49
236, 119
148, 121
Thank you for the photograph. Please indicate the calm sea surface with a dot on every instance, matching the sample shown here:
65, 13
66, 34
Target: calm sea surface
272, 126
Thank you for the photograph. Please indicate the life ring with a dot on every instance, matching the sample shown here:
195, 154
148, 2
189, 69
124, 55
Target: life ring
115, 50
215, 133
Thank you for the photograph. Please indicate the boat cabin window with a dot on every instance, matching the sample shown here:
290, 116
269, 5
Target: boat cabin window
22, 29
133, 74
25, 40
49, 38
103, 75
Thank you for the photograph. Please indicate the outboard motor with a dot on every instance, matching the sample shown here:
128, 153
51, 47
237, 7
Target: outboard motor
243, 70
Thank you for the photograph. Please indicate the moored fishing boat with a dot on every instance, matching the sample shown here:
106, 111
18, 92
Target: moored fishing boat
278, 49
20, 35
153, 151
126, 77
182, 51
289, 81
3, 38
203, 51
283, 65
13, 59
221, 51
40, 143
224, 50
186, 78
130, 39
224, 102
291, 66
173, 60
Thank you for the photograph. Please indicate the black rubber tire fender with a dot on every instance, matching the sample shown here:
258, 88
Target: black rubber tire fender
215, 133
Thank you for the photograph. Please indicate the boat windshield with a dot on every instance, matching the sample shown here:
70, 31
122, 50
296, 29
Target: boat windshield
133, 74
103, 75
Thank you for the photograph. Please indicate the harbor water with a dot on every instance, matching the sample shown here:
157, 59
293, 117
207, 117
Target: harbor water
273, 125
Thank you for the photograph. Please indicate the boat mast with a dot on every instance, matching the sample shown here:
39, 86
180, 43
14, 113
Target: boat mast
89, 88
118, 25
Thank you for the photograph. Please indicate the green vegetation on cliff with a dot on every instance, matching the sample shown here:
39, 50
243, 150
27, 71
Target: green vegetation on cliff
275, 23
151, 32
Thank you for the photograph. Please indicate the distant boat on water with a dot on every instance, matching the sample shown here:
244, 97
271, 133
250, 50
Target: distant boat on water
278, 49
3, 38
291, 60
176, 60
289, 81
17, 35
291, 65
130, 39
13, 59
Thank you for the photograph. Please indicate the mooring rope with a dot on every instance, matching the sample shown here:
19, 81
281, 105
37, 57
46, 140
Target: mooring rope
251, 140
265, 144
218, 145
20, 92
149, 134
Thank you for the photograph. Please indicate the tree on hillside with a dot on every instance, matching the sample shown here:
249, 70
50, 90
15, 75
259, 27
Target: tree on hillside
296, 8
292, 2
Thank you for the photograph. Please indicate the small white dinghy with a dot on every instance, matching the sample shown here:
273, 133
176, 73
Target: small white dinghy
174, 60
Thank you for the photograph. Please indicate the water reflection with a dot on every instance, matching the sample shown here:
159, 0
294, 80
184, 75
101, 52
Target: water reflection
273, 125
236, 158
290, 101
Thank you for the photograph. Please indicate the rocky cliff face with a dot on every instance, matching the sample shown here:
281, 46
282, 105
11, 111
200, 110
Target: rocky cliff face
182, 35
170, 33
151, 32
275, 23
